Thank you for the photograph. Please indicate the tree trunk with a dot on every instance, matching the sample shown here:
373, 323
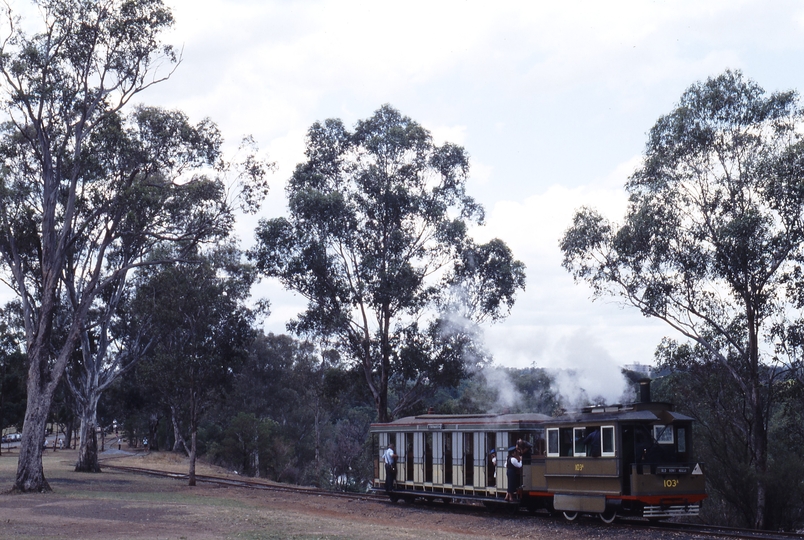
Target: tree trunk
317, 436
759, 443
88, 449
69, 428
193, 432
192, 458
153, 426
178, 441
30, 473
255, 456
759, 436
382, 402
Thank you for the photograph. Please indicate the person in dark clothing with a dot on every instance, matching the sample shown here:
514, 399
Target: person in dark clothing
389, 457
525, 450
512, 466
592, 442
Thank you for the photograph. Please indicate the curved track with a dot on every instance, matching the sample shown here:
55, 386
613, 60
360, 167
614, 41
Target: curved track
703, 530
252, 484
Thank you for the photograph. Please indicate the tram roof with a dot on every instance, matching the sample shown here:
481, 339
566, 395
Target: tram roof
638, 412
462, 422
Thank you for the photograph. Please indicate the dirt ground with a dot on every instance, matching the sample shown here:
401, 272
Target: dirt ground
113, 505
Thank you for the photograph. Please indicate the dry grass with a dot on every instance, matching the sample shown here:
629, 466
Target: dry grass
123, 505
113, 505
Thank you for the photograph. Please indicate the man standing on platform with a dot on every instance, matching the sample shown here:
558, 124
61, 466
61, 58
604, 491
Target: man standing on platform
389, 457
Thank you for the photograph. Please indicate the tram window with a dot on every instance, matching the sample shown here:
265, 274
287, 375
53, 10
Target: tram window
682, 440
578, 448
607, 441
663, 434
552, 442
538, 442
565, 443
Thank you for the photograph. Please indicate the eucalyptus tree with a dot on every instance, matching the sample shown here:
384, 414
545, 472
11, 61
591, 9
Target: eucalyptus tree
83, 194
377, 243
160, 146
201, 330
713, 234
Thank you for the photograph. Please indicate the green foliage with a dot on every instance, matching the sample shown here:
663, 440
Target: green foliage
86, 191
320, 414
712, 239
377, 243
246, 442
705, 390
201, 331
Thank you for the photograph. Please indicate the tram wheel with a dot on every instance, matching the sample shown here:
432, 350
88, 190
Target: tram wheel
609, 515
570, 516
394, 497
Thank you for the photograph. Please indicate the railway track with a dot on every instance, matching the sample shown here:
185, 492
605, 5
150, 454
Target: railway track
641, 524
722, 532
251, 484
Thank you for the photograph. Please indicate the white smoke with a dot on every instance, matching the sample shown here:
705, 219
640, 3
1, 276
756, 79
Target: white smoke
499, 381
591, 375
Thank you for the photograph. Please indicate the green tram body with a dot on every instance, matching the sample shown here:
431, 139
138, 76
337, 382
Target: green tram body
644, 467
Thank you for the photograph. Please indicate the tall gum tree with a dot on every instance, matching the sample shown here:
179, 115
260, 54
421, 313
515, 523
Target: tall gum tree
69, 234
145, 155
712, 234
376, 241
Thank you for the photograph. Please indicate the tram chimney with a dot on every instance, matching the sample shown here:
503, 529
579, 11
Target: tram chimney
644, 390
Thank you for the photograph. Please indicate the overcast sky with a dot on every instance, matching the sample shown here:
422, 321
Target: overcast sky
552, 100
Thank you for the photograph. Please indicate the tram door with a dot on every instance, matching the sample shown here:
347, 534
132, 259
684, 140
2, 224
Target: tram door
447, 457
428, 457
409, 457
375, 446
491, 469
383, 440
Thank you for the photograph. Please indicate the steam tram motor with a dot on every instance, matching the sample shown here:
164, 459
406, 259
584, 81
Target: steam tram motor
641, 464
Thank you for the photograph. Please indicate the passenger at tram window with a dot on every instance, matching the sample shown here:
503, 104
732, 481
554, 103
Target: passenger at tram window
493, 460
539, 444
592, 442
525, 450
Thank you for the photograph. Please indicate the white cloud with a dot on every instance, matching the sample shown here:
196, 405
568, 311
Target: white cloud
552, 101
448, 134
